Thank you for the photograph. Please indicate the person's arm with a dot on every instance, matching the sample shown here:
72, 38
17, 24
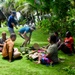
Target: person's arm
10, 52
50, 51
21, 36
1, 45
14, 25
48, 55
59, 42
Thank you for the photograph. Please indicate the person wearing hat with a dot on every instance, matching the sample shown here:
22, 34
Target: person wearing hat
23, 33
12, 22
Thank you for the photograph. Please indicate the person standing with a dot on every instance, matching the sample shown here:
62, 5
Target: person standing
12, 22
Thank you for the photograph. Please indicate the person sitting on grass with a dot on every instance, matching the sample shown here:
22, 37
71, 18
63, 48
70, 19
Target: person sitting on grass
58, 40
52, 53
2, 40
67, 47
23, 33
8, 51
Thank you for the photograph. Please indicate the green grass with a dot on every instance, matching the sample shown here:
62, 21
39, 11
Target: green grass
27, 67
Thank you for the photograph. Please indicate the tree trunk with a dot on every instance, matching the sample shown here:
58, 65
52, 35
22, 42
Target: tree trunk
38, 15
0, 24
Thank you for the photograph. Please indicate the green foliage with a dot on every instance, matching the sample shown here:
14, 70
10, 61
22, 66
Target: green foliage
70, 70
45, 25
27, 67
62, 13
22, 21
4, 24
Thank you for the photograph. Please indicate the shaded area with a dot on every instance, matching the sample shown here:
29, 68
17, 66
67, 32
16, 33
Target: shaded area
2, 17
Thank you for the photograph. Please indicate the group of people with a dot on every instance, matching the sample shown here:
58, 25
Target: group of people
22, 32
11, 53
51, 55
7, 44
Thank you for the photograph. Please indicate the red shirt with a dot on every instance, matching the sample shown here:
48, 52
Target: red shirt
68, 42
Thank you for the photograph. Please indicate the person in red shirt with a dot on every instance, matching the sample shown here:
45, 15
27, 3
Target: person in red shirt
69, 41
68, 45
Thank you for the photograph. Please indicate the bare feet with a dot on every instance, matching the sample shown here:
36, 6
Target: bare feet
37, 62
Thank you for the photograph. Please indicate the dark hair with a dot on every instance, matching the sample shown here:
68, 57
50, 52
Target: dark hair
53, 38
3, 33
68, 34
13, 12
56, 33
12, 35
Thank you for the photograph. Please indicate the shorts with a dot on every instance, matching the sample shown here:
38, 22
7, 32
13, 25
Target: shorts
11, 30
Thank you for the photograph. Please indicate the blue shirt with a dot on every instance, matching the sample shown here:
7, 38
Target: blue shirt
25, 29
11, 20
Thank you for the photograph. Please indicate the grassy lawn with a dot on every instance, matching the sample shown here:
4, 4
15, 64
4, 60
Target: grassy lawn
27, 67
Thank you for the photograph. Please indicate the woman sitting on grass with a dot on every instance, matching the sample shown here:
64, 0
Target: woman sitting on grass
52, 52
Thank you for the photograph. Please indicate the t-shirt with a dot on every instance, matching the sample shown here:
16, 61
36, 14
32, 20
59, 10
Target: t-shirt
25, 29
57, 39
11, 20
2, 41
68, 42
8, 47
53, 51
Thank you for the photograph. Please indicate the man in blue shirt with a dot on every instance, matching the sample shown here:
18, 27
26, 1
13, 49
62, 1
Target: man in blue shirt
12, 22
23, 33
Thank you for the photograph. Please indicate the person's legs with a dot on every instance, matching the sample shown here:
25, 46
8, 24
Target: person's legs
64, 49
16, 53
40, 57
73, 50
11, 30
26, 40
15, 49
